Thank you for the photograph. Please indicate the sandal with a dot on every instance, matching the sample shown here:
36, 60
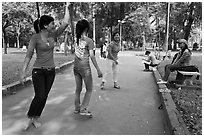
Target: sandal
36, 123
29, 121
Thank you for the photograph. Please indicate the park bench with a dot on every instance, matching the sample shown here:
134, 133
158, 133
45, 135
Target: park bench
185, 75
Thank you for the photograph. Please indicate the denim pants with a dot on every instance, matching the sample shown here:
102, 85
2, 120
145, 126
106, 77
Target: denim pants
111, 66
42, 82
80, 75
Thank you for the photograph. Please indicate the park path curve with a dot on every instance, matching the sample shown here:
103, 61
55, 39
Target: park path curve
131, 110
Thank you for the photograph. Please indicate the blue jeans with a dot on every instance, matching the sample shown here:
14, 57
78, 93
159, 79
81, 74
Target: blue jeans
42, 82
86, 75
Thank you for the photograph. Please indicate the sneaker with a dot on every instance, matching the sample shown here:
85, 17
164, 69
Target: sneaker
154, 69
161, 82
76, 111
36, 123
116, 85
102, 85
85, 112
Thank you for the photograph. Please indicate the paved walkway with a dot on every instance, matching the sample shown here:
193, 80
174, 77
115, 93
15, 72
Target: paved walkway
132, 110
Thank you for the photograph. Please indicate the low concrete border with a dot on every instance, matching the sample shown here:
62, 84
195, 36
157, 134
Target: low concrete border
175, 122
13, 87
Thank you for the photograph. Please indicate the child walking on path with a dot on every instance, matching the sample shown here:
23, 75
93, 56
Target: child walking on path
82, 70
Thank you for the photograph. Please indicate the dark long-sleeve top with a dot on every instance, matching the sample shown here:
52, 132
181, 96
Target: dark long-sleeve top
183, 59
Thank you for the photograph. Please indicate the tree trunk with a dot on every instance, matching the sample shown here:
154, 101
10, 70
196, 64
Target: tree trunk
38, 9
122, 10
174, 38
18, 41
5, 25
4, 42
170, 44
144, 43
167, 26
190, 22
65, 44
71, 12
18, 35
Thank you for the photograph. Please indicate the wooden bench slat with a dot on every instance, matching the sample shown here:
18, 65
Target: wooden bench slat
189, 73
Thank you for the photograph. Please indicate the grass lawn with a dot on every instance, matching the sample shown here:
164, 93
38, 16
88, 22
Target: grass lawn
12, 65
188, 101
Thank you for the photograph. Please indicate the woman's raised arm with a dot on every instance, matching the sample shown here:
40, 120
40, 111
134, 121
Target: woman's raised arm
65, 23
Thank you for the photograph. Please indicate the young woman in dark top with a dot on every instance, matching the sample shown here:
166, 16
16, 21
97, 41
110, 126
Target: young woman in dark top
43, 72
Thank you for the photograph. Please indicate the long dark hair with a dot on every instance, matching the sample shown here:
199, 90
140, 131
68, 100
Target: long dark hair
39, 24
81, 26
185, 47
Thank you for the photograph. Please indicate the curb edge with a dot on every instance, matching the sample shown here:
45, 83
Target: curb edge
11, 88
175, 122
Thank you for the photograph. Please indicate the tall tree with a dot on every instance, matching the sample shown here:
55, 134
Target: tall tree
16, 16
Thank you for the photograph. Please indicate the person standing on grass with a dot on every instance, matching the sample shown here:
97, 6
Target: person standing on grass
112, 60
43, 73
84, 47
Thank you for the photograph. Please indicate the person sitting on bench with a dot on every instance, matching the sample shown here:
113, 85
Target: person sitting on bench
180, 59
150, 61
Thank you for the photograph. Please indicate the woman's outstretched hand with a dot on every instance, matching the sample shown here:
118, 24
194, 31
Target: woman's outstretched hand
22, 77
66, 16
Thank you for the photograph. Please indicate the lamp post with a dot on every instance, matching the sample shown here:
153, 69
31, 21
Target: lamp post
167, 25
120, 26
94, 27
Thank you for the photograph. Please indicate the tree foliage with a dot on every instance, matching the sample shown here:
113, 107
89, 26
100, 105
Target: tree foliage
147, 18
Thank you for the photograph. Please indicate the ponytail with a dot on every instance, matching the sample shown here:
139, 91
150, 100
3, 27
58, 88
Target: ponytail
78, 35
36, 26
81, 26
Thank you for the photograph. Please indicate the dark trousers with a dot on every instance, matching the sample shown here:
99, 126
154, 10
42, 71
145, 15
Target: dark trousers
170, 68
42, 82
147, 65
101, 51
